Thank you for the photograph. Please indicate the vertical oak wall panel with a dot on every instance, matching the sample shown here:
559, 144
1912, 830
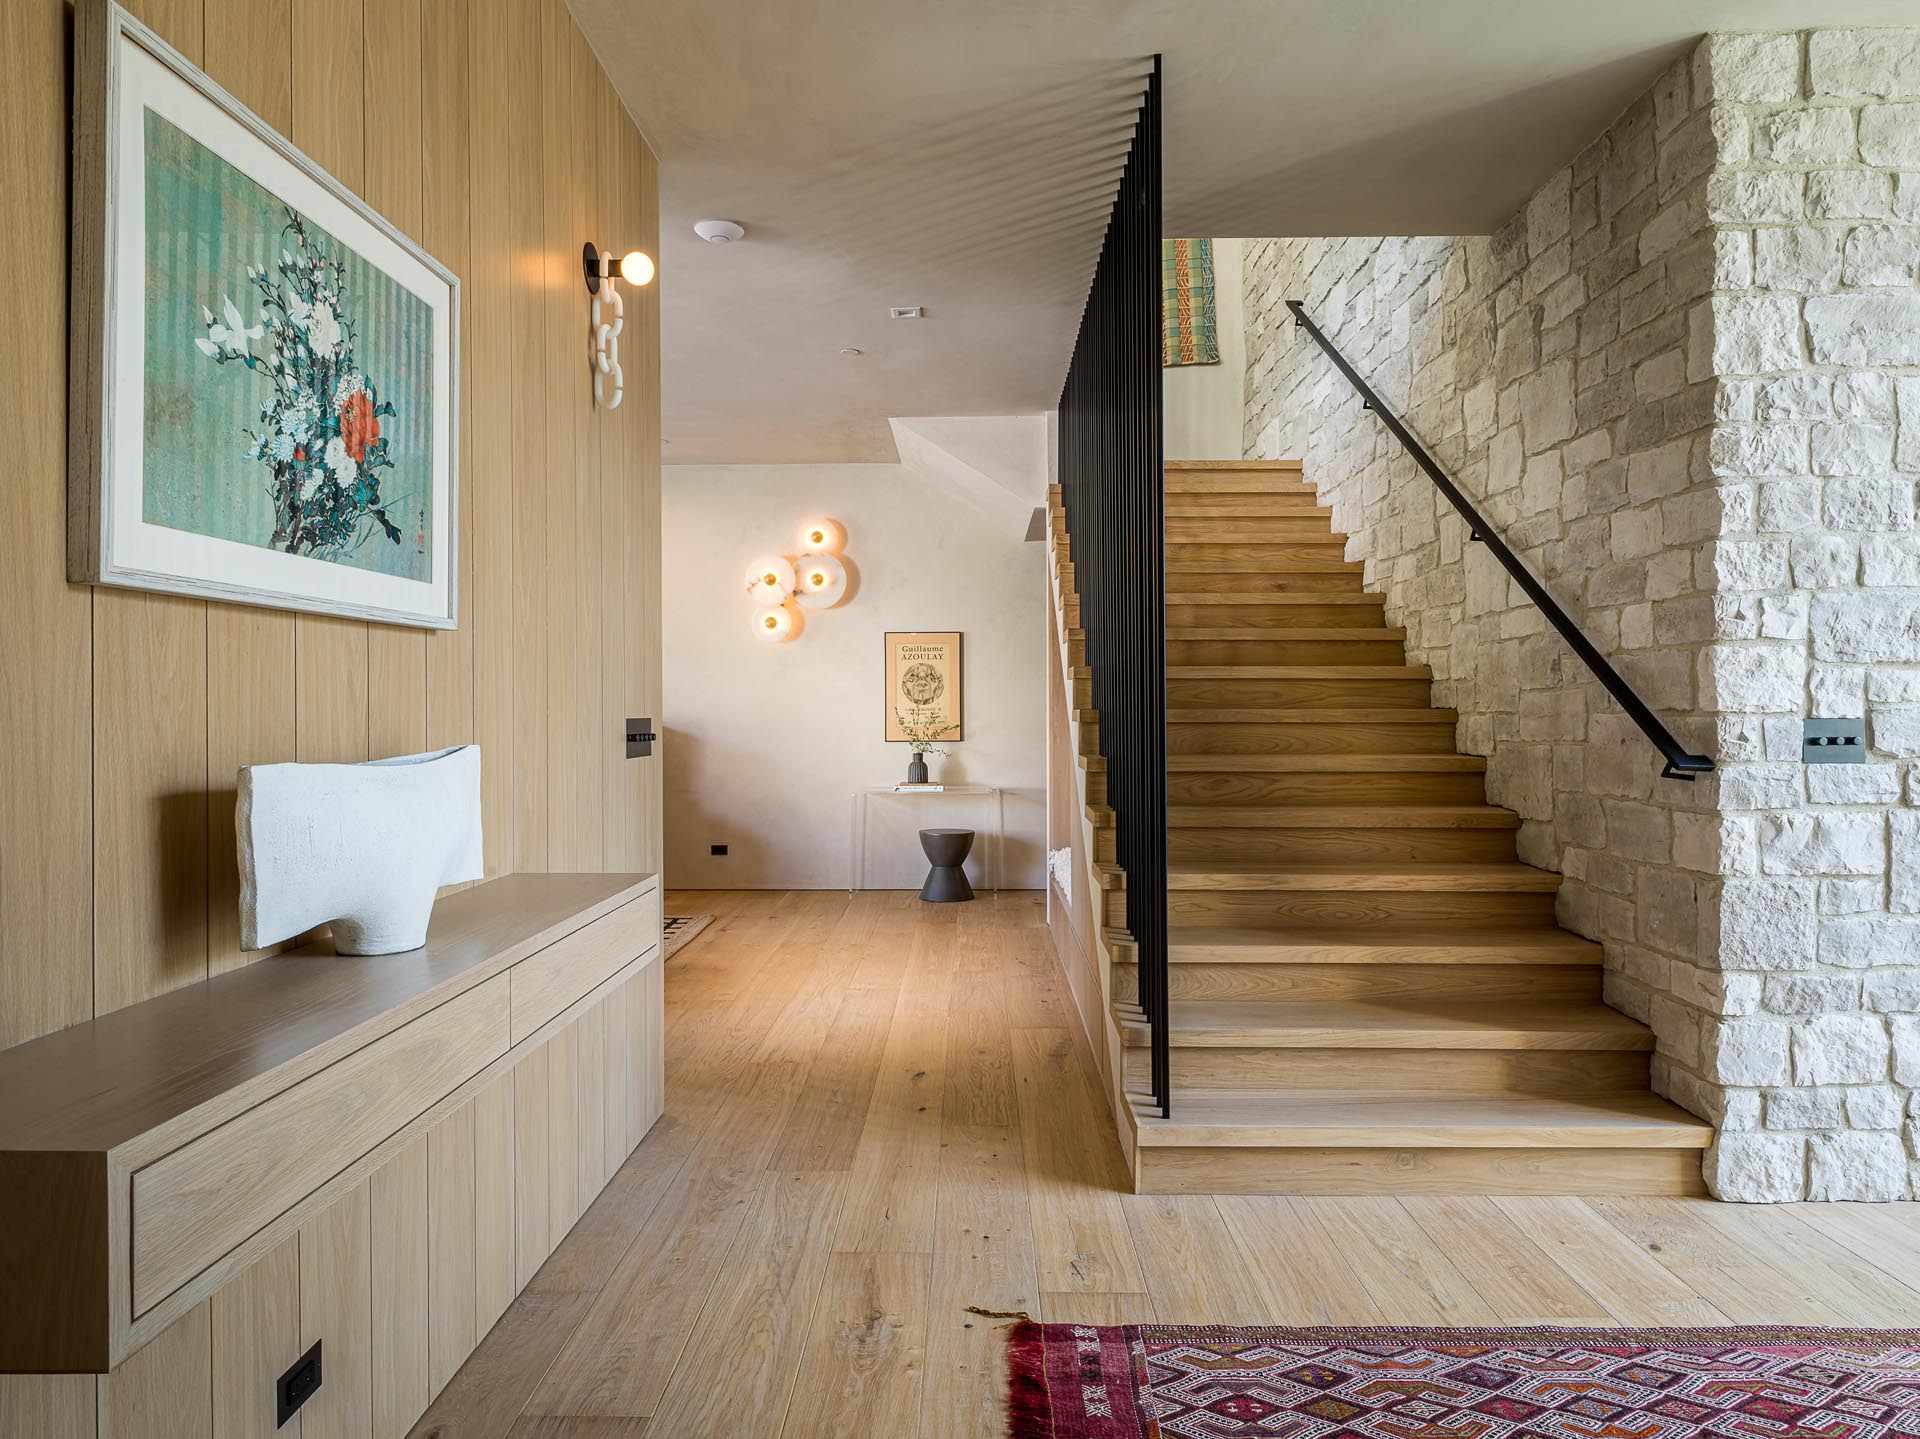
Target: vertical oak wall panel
336, 1311
462, 120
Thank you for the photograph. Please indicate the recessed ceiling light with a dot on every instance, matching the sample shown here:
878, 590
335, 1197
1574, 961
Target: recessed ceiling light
850, 351
719, 232
907, 312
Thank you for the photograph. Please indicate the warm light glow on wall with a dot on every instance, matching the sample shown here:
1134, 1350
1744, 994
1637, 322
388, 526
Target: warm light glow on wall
822, 536
822, 580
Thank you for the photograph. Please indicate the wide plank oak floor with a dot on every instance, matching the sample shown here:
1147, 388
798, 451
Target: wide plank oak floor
883, 1132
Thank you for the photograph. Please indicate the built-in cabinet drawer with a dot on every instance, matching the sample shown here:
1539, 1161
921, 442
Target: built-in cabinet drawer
197, 1203
546, 983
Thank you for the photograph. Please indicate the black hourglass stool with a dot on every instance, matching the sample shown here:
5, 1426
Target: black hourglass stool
946, 851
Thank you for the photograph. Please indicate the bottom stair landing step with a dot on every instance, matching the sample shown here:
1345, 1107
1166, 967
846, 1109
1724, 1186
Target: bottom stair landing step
1317, 1119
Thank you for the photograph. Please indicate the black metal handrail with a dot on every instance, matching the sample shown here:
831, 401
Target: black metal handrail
1111, 484
1679, 764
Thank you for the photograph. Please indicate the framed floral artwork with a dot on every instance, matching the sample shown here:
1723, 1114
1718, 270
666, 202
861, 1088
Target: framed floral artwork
264, 370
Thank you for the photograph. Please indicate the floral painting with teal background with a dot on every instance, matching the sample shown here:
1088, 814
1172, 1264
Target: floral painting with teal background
289, 382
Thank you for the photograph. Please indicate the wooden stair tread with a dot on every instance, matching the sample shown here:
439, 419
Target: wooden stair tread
1304, 714
1232, 467
1426, 1120
1502, 878
1269, 634
1354, 816
1363, 764
1280, 598
1380, 942
1299, 672
1405, 1023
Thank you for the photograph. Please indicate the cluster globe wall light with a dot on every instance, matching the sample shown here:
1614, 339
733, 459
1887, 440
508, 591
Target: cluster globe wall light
816, 581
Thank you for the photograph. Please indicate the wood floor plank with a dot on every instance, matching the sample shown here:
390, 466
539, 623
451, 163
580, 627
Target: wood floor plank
983, 1259
1408, 1275
1513, 1275
866, 1351
1799, 1253
491, 1390
1196, 1271
1088, 1306
753, 1327
1310, 1281
1878, 1233
1075, 1175
619, 1360
1633, 1287
1681, 1236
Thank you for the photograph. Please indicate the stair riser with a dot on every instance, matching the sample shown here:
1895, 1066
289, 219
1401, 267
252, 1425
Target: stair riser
1308, 616
1305, 982
1387, 650
1358, 693
1357, 787
1358, 907
1459, 846
1184, 505
1419, 1171
1251, 482
1290, 739
1415, 1071
1345, 580
1217, 559
1246, 529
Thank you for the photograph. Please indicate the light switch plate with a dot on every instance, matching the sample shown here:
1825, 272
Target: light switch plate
1834, 741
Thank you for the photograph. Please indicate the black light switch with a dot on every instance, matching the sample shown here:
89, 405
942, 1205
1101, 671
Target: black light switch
640, 738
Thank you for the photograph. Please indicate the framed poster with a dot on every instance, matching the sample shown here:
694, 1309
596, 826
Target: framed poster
923, 685
264, 370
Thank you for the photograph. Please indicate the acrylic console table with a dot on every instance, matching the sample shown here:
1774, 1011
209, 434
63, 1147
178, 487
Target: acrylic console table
857, 858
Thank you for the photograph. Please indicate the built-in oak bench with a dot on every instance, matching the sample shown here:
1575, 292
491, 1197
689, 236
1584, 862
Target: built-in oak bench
151, 1154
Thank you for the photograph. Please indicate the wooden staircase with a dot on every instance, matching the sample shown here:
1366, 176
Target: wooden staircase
1368, 992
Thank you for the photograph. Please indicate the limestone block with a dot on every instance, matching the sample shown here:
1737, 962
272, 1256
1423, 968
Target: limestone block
1756, 197
1765, 925
1840, 842
1867, 627
1849, 195
1884, 64
1882, 254
1861, 1166
1821, 136
1840, 1049
1868, 940
1796, 257
1751, 678
1857, 504
1864, 329
1904, 864
1749, 68
1890, 134
1757, 1168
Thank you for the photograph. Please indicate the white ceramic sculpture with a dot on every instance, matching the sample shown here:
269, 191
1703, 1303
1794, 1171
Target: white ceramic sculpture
365, 846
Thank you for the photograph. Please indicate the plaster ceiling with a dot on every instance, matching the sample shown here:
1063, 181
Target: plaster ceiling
961, 155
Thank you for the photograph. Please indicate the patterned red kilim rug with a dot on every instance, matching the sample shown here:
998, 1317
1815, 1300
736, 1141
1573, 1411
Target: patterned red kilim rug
1073, 1381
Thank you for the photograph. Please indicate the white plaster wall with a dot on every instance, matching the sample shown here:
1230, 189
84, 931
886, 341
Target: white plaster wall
1205, 405
764, 743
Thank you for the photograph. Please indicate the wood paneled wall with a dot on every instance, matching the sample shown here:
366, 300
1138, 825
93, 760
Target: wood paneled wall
487, 131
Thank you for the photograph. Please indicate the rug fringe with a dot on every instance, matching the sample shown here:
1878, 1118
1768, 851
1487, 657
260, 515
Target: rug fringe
1029, 1409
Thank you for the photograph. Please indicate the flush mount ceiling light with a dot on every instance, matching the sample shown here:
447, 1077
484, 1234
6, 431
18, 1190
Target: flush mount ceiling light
907, 312
770, 579
775, 624
822, 581
719, 232
822, 536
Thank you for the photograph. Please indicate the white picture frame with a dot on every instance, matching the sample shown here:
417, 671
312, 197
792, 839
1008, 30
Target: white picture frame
129, 86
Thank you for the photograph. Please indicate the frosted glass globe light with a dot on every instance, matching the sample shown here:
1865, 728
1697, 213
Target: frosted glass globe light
822, 581
636, 267
774, 624
770, 579
822, 536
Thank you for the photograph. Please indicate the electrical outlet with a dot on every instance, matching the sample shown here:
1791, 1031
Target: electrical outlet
298, 1384
719, 850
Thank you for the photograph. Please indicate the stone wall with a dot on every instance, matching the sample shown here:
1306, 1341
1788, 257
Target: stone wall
1683, 413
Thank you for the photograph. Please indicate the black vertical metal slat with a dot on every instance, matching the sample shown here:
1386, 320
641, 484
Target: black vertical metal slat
1112, 479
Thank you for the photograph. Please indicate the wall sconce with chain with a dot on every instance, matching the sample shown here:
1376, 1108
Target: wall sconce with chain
607, 315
